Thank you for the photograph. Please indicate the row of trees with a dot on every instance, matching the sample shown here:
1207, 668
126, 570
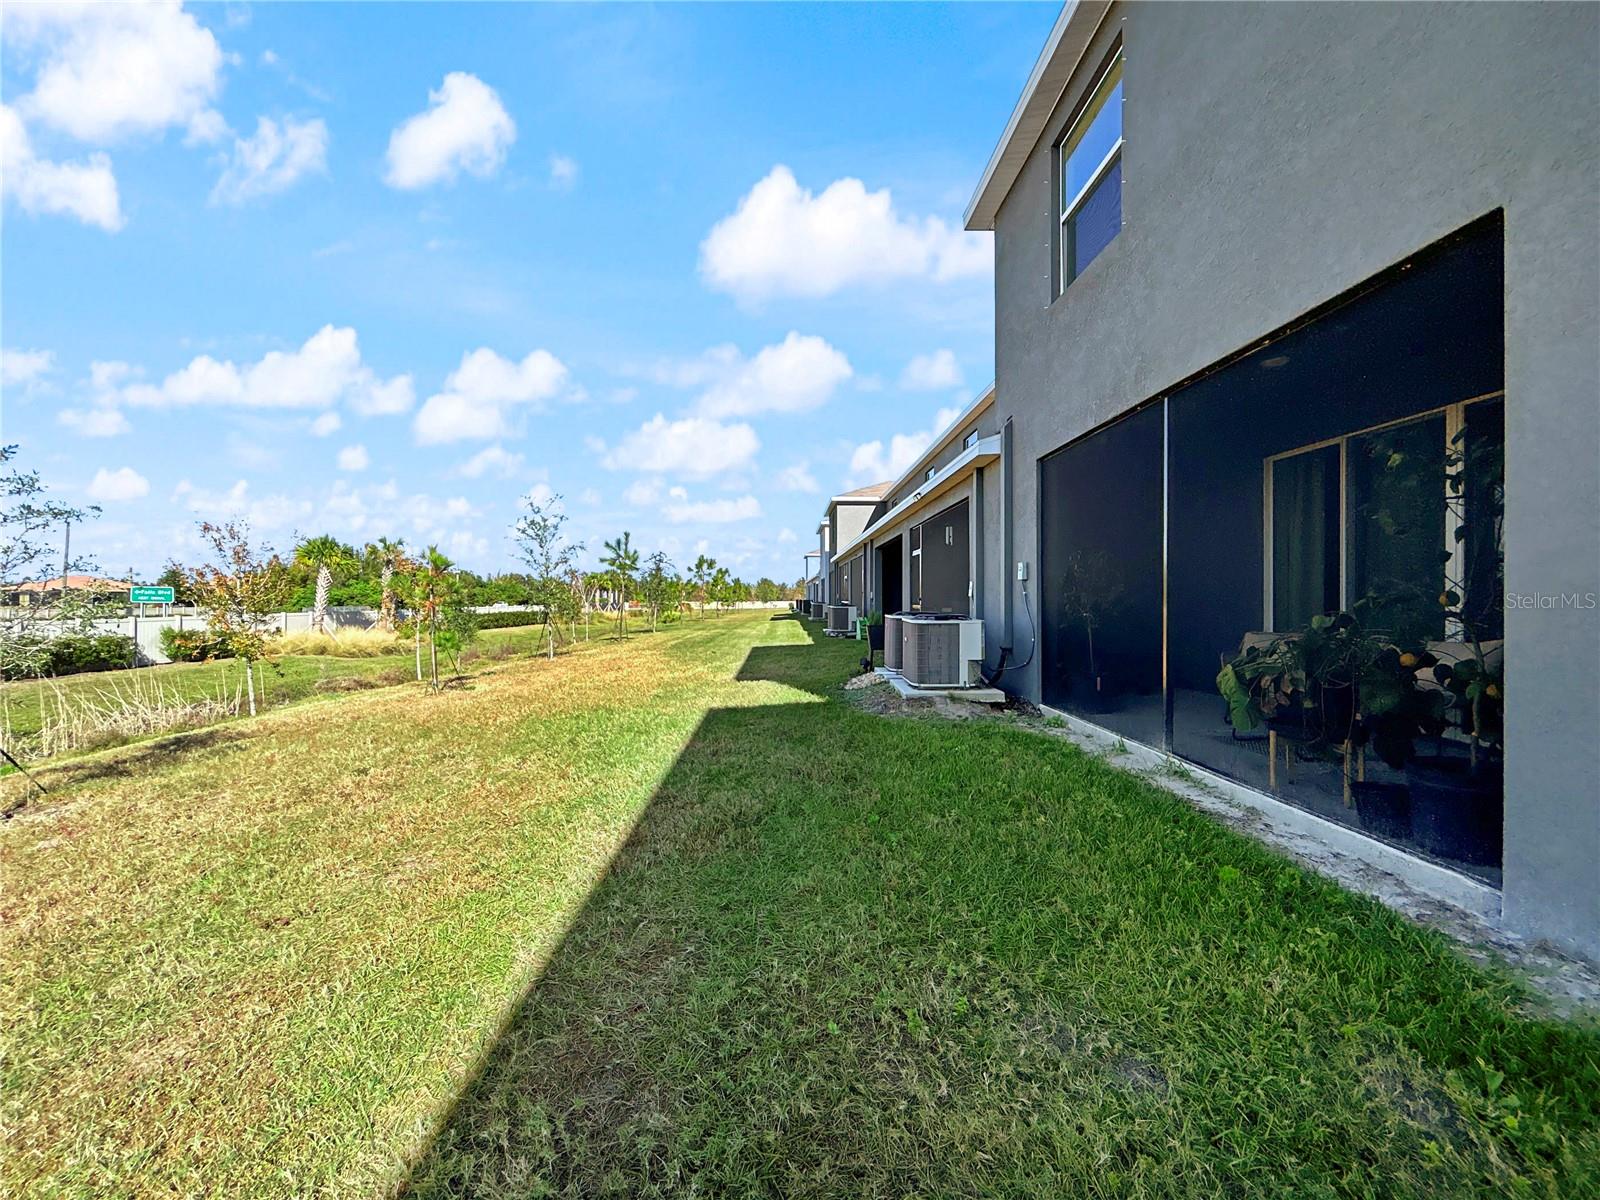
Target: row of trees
325, 572
244, 583
556, 581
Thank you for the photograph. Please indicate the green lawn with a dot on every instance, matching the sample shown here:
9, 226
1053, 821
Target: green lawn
286, 679
673, 916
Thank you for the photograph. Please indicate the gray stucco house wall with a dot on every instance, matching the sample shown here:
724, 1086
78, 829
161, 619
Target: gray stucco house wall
1275, 156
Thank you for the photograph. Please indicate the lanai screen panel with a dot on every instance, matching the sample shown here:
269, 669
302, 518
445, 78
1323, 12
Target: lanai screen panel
1099, 605
1309, 479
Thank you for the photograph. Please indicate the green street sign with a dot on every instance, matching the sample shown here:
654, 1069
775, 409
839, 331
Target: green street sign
150, 595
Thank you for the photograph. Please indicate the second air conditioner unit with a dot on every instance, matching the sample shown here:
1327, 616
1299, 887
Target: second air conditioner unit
841, 618
893, 642
941, 650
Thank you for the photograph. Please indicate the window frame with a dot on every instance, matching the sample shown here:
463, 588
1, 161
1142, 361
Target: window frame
1455, 417
1065, 275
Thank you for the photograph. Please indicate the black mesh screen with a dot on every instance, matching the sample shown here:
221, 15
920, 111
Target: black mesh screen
1100, 576
946, 567
1359, 400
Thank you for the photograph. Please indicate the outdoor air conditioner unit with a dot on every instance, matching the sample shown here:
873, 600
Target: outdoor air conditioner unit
893, 641
842, 618
941, 650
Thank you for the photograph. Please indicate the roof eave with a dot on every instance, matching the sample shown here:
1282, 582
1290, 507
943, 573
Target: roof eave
1063, 50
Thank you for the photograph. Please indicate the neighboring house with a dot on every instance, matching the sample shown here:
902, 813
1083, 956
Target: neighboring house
1262, 272
923, 548
844, 574
813, 578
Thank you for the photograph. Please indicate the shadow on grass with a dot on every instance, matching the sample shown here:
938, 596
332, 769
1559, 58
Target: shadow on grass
122, 762
845, 956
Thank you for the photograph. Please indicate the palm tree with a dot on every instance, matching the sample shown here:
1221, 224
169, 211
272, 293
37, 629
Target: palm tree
390, 557
430, 592
326, 554
622, 560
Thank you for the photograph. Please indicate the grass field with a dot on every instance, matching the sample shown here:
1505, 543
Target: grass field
285, 679
675, 916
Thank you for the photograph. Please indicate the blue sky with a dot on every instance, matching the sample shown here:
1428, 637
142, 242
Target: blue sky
374, 269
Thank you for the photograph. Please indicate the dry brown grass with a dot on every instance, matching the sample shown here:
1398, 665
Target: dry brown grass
340, 643
269, 960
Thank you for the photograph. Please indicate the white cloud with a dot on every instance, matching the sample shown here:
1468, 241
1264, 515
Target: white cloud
354, 458
872, 463
114, 486
272, 160
19, 367
495, 459
464, 128
102, 418
642, 493
693, 446
85, 190
784, 240
325, 370
345, 510
384, 398
798, 478
682, 511
931, 372
109, 71
785, 536
95, 422
206, 128
328, 423
563, 172
105, 375
798, 374
480, 394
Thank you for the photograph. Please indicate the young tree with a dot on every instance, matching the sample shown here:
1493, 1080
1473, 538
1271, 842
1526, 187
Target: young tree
239, 591
658, 587
720, 587
542, 544
389, 557
327, 556
700, 576
27, 516
434, 596
622, 560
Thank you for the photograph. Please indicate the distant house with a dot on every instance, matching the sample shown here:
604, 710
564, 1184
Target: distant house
44, 591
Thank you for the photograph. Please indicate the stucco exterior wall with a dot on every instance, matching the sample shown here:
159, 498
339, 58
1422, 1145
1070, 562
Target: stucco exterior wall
1277, 155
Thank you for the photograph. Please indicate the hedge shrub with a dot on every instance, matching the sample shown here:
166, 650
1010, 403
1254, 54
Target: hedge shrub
73, 654
507, 620
193, 645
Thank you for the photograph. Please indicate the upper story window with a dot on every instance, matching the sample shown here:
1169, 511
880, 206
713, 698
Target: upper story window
970, 440
1091, 176
929, 473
